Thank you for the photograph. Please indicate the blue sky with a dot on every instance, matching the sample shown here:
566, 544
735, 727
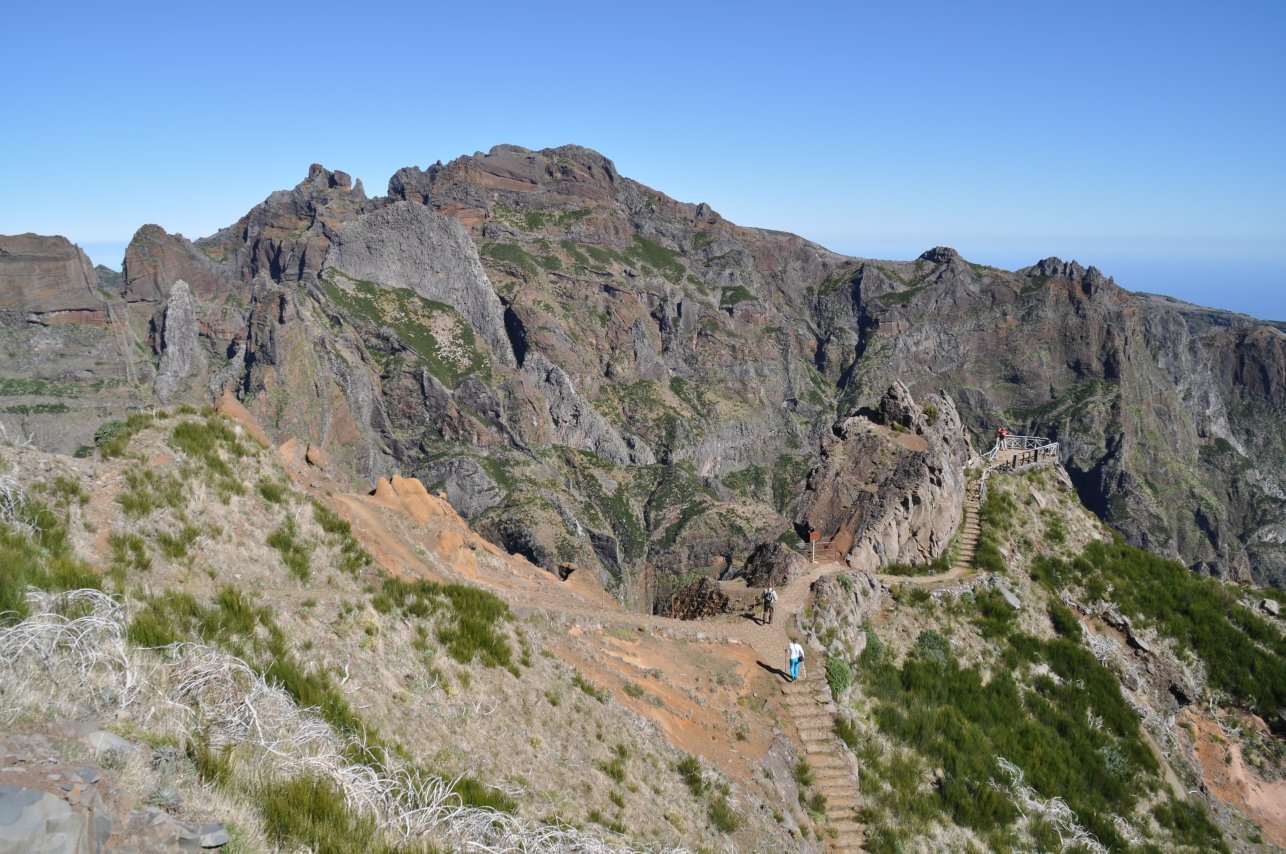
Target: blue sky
1145, 138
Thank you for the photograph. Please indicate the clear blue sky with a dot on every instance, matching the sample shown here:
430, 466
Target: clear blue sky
1146, 138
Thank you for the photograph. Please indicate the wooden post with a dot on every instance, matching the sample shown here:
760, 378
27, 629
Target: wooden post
812, 539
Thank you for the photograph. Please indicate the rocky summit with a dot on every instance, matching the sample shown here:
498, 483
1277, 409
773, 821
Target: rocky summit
598, 375
444, 520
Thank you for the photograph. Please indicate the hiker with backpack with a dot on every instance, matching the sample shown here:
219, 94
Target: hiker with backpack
769, 598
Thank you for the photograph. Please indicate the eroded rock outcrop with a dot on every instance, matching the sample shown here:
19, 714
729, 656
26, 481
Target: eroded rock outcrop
575, 421
842, 605
181, 353
890, 484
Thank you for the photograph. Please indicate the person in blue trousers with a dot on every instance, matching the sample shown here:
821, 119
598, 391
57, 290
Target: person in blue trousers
794, 658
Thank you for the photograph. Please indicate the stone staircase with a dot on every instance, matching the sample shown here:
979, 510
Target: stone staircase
967, 547
811, 707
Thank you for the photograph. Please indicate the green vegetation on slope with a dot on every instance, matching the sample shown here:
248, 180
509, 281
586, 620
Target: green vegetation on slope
1245, 655
1047, 706
434, 331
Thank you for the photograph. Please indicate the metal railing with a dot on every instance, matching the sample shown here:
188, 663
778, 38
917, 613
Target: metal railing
1025, 452
1018, 443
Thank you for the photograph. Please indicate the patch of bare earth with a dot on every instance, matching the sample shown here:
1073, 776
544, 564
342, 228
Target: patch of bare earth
1226, 775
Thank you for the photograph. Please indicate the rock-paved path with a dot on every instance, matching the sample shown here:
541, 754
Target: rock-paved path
811, 707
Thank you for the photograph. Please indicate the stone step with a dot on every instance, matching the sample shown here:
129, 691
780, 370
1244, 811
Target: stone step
826, 762
839, 802
817, 734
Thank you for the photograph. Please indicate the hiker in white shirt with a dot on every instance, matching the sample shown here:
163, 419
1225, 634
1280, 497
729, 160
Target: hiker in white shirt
794, 658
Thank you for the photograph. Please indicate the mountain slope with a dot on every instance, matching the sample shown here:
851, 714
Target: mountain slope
600, 375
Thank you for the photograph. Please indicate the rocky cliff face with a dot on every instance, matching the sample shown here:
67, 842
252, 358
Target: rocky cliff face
598, 374
1163, 409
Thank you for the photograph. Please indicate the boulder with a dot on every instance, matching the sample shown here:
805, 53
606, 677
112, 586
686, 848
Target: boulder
1011, 598
773, 564
315, 456
1270, 606
36, 822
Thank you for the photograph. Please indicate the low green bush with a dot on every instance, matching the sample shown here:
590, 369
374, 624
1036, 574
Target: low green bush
590, 688
839, 675
45, 559
689, 769
295, 551
847, 731
722, 815
352, 557
467, 618
312, 813
129, 555
1075, 738
148, 490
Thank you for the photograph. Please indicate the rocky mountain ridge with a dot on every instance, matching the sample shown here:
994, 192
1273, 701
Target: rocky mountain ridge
598, 374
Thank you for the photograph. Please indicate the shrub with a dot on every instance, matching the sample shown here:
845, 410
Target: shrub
839, 675
129, 554
615, 768
149, 490
995, 618
873, 651
932, 647
113, 437
175, 545
206, 443
804, 774
589, 688
352, 557
295, 552
846, 729
1063, 620
689, 769
274, 493
1245, 656
722, 815
468, 621
312, 813
45, 559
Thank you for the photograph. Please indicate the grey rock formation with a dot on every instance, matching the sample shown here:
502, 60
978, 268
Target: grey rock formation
36, 822
407, 245
180, 350
574, 420
773, 563
841, 606
468, 487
